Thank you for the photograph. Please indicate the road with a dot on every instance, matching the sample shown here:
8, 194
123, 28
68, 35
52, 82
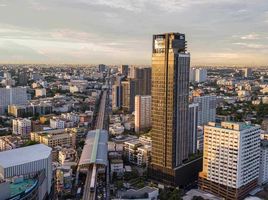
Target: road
88, 194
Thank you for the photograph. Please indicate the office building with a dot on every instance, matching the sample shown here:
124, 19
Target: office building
40, 92
193, 123
27, 173
143, 77
206, 109
124, 70
263, 172
142, 112
102, 68
22, 127
23, 78
231, 159
129, 91
116, 96
170, 111
53, 138
9, 95
200, 75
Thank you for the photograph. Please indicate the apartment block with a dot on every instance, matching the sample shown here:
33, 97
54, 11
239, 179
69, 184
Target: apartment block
22, 127
230, 160
142, 112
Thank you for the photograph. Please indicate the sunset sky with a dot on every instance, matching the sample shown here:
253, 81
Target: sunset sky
219, 32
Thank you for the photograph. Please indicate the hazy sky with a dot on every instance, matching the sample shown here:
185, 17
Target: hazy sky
219, 32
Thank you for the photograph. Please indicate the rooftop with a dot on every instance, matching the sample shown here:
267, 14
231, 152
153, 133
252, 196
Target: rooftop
95, 148
30, 154
24, 186
237, 126
195, 192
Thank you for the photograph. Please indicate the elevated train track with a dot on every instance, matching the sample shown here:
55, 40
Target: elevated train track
92, 172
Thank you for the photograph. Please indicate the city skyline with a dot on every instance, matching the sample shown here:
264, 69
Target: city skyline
117, 32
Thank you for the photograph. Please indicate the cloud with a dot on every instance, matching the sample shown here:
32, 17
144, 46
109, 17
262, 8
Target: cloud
115, 31
251, 45
166, 5
252, 36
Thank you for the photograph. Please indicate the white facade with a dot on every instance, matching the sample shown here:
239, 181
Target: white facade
35, 159
248, 72
201, 75
73, 117
192, 75
142, 112
263, 174
40, 92
9, 95
57, 123
206, 109
231, 153
21, 127
117, 166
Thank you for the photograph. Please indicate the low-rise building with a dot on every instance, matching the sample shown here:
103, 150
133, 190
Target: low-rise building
67, 155
138, 151
22, 127
40, 92
10, 142
145, 193
117, 166
144, 155
53, 138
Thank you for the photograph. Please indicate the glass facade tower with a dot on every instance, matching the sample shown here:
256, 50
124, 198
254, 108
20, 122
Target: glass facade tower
170, 94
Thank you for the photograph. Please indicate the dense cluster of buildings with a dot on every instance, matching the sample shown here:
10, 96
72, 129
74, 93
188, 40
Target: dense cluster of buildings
178, 125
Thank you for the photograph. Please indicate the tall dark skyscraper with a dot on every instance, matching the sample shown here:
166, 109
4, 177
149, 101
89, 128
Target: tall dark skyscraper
170, 92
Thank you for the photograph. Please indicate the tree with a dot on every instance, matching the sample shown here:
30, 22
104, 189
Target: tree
119, 184
29, 143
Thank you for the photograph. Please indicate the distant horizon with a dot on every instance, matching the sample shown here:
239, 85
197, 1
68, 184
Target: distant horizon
218, 33
138, 65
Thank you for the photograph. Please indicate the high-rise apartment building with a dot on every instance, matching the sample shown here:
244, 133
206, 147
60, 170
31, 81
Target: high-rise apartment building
9, 95
142, 112
206, 109
193, 127
248, 72
263, 173
170, 93
22, 127
200, 75
230, 160
192, 75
